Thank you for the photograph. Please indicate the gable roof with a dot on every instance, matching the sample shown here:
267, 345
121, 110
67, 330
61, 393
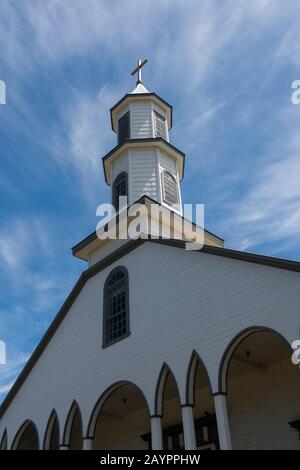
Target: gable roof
92, 241
111, 258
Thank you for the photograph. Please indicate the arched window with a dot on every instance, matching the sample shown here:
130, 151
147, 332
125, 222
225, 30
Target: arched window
116, 306
120, 188
169, 188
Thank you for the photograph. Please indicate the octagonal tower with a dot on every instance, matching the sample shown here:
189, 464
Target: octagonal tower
144, 163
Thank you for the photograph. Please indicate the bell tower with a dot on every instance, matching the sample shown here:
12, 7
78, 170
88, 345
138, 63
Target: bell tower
144, 162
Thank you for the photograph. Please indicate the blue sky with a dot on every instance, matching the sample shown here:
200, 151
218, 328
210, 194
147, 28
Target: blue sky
226, 67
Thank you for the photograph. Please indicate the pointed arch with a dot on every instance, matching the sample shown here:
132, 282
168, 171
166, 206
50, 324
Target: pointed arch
164, 373
195, 362
74, 409
52, 422
3, 443
27, 426
232, 346
101, 402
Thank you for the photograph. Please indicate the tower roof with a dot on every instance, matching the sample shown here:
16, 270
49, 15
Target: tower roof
140, 88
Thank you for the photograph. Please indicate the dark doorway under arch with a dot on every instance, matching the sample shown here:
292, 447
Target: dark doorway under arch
263, 391
199, 395
27, 437
52, 438
72, 437
122, 419
167, 405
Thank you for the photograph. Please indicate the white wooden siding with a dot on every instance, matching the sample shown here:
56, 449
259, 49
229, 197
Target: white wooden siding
179, 301
143, 174
143, 167
261, 404
167, 163
140, 119
119, 165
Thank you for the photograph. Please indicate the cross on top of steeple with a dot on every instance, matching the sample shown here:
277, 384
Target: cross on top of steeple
138, 70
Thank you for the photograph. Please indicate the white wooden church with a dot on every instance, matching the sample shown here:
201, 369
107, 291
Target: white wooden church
158, 347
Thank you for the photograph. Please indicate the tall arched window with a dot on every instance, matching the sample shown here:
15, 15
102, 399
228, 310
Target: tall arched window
120, 188
169, 188
116, 306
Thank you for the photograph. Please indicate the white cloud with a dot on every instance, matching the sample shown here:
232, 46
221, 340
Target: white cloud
187, 46
31, 279
9, 372
269, 211
71, 28
87, 136
5, 388
289, 48
19, 238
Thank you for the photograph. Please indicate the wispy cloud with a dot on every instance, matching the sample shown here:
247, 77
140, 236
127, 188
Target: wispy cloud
33, 287
86, 138
19, 238
269, 209
8, 372
225, 66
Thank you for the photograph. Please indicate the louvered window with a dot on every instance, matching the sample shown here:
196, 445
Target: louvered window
160, 125
116, 306
124, 127
120, 188
169, 187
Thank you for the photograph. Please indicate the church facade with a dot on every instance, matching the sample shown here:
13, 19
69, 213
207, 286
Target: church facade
159, 347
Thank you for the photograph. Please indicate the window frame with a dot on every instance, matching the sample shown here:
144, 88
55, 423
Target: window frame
122, 174
167, 172
105, 341
127, 115
157, 115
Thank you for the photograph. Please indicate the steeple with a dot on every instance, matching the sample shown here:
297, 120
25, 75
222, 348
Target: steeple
144, 163
145, 167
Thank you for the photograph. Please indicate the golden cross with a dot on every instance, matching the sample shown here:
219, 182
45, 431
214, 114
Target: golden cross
138, 70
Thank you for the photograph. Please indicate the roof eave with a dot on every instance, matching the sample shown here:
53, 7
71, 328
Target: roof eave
128, 143
85, 247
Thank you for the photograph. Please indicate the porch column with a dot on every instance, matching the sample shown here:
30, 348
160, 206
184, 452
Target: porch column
156, 433
189, 433
87, 444
62, 447
222, 421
